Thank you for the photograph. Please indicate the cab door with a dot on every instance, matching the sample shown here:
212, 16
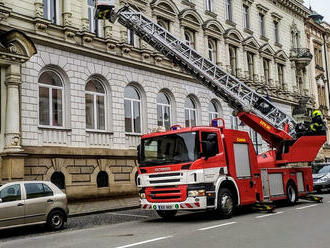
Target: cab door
11, 206
244, 175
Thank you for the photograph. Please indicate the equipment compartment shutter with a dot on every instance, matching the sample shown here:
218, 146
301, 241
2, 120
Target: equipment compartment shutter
300, 182
242, 160
276, 184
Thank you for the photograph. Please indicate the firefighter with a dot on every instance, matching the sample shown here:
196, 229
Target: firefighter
317, 126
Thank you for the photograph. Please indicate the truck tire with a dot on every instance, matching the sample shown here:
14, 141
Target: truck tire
291, 193
167, 215
226, 203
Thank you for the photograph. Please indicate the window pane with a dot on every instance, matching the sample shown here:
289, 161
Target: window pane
52, 10
212, 107
160, 115
189, 103
162, 98
57, 107
11, 193
47, 190
34, 190
44, 106
167, 117
193, 118
137, 117
128, 116
45, 4
130, 92
51, 78
186, 114
100, 113
89, 111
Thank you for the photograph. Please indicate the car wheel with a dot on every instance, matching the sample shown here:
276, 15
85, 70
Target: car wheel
167, 215
55, 220
226, 204
291, 193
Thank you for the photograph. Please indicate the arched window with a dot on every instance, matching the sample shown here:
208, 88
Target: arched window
212, 50
163, 111
132, 110
95, 105
102, 179
50, 99
213, 111
189, 38
190, 112
58, 179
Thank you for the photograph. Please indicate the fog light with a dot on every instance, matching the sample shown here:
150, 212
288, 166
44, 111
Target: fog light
142, 195
195, 193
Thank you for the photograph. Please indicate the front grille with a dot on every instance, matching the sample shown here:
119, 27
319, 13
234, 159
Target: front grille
165, 175
166, 194
166, 181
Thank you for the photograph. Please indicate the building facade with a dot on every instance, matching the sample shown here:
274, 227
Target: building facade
91, 88
318, 42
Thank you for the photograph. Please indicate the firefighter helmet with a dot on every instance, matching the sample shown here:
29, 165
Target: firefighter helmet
317, 113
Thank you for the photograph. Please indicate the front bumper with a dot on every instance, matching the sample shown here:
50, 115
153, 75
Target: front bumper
191, 203
321, 184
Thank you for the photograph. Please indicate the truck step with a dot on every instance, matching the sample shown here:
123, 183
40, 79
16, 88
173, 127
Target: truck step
313, 198
264, 206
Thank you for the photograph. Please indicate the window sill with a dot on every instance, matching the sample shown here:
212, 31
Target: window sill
278, 45
98, 131
54, 128
231, 23
134, 134
211, 13
264, 38
249, 31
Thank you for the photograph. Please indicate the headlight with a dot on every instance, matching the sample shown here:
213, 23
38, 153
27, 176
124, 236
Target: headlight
195, 193
142, 195
324, 179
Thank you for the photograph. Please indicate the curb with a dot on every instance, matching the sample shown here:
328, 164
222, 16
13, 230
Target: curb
102, 211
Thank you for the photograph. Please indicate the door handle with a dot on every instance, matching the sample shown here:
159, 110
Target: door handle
251, 184
20, 204
50, 200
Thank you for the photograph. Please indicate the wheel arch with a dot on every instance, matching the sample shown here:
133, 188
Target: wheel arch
228, 182
58, 209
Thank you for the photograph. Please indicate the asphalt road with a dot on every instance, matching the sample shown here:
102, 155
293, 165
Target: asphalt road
303, 225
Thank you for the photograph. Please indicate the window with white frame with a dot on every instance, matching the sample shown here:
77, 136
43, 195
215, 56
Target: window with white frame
50, 99
189, 38
234, 122
132, 107
229, 13
280, 75
163, 111
164, 23
49, 7
190, 112
246, 16
212, 50
209, 5
131, 37
266, 64
213, 111
95, 105
94, 23
250, 62
233, 59
276, 32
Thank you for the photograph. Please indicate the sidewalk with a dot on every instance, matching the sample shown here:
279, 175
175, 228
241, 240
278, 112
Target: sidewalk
95, 206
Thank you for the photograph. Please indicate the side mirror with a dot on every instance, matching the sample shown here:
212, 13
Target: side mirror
139, 154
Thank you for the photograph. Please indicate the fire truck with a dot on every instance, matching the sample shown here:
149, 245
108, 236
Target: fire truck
213, 167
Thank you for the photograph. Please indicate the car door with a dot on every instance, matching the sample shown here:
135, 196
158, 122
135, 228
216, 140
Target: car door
36, 203
11, 206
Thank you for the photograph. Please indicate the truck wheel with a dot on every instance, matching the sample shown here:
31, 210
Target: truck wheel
166, 215
226, 203
291, 193
55, 220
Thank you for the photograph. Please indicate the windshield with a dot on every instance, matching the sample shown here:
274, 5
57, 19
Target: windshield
325, 169
167, 149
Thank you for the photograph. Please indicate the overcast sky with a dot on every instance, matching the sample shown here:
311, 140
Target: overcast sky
320, 6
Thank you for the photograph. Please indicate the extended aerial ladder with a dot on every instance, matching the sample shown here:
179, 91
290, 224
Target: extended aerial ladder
276, 127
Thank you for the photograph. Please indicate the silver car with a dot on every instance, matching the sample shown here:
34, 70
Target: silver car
32, 202
321, 179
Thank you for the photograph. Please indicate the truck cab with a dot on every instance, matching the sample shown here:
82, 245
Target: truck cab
186, 168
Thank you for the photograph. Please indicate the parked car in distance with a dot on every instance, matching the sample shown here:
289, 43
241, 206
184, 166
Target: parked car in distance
321, 178
32, 202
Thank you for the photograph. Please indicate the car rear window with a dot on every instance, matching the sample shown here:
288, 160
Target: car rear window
36, 190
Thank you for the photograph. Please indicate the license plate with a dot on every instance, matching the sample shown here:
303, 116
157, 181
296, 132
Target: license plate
164, 207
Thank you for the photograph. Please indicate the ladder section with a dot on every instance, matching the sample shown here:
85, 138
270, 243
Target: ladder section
238, 95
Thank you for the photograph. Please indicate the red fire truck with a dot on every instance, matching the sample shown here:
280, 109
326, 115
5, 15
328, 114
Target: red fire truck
213, 167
